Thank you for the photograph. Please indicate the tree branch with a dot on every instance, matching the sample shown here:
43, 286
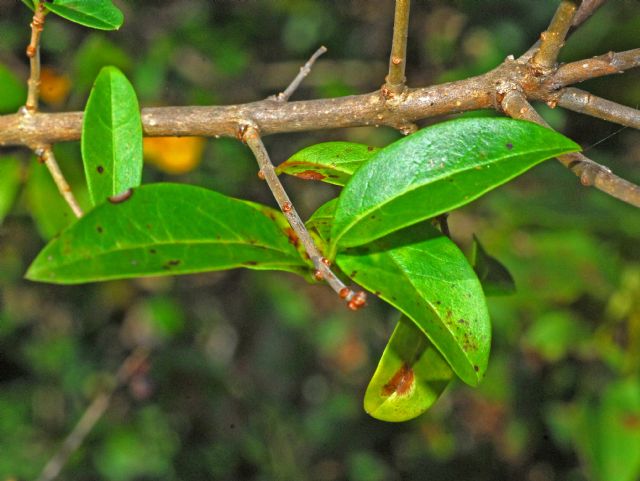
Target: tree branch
552, 40
91, 416
395, 80
295, 83
607, 64
588, 104
251, 136
586, 9
590, 173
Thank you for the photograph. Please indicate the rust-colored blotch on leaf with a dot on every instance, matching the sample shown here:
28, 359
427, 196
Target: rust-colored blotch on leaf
310, 175
400, 383
174, 155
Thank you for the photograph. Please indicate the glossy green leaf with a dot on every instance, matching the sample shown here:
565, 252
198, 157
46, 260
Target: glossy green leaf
13, 92
99, 14
496, 280
611, 434
409, 378
10, 179
436, 170
112, 136
424, 274
331, 162
164, 229
322, 219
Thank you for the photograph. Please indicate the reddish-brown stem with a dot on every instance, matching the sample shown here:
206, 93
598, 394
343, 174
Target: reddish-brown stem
395, 80
295, 83
33, 52
588, 104
552, 40
590, 173
46, 156
251, 136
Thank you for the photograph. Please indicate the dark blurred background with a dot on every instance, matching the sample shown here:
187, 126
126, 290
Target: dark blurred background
260, 376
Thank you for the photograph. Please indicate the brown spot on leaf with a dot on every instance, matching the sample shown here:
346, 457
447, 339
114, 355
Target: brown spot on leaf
250, 263
509, 146
370, 148
401, 382
292, 236
152, 251
310, 175
476, 368
100, 169
99, 229
117, 199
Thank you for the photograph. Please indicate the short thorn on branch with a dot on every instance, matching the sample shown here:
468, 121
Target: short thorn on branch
516, 105
295, 83
251, 136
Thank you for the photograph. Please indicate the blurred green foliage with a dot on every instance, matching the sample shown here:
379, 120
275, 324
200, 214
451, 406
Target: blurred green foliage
260, 376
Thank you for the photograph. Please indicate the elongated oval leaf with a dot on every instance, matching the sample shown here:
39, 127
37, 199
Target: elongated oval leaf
331, 162
164, 229
409, 378
425, 275
99, 14
112, 136
10, 179
436, 170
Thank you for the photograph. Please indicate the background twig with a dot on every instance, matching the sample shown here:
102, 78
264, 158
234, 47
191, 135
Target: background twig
45, 154
304, 71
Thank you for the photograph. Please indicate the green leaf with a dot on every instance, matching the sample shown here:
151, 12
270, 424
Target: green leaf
13, 91
112, 136
424, 274
496, 280
10, 179
331, 162
164, 229
409, 378
611, 433
99, 14
322, 219
436, 170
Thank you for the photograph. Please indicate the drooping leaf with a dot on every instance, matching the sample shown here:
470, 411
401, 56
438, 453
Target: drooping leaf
112, 136
331, 162
409, 378
322, 219
423, 274
13, 93
496, 280
164, 229
99, 14
10, 179
436, 170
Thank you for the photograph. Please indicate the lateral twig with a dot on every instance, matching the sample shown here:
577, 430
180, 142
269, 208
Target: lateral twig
91, 416
395, 80
586, 9
588, 104
607, 64
552, 40
295, 83
590, 173
33, 52
251, 136
45, 154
